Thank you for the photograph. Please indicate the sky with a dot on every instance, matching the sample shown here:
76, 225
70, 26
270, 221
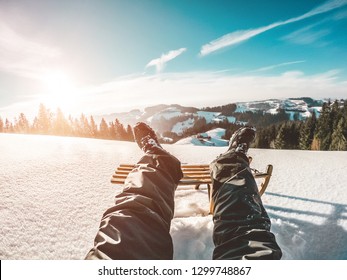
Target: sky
101, 57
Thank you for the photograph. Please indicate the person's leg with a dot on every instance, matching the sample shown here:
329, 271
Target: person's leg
138, 226
241, 224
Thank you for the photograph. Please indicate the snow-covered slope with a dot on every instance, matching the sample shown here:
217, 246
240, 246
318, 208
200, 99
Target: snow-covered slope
54, 191
180, 127
209, 138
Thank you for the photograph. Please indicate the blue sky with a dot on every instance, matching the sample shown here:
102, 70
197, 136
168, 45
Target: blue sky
107, 56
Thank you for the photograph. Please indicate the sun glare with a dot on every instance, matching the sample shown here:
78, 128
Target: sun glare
59, 89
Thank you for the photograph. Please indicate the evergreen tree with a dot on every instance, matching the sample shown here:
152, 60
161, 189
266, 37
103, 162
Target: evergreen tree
335, 115
43, 124
72, 127
104, 130
60, 125
77, 127
344, 109
307, 132
130, 134
120, 131
281, 137
85, 126
93, 127
8, 126
338, 142
324, 127
34, 127
288, 135
261, 140
293, 135
265, 137
112, 131
22, 124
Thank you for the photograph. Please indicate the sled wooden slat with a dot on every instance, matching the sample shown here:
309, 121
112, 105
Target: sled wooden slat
186, 176
267, 177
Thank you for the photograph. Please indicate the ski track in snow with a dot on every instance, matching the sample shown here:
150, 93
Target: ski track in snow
55, 189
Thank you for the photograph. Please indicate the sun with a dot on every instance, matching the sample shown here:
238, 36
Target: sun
58, 88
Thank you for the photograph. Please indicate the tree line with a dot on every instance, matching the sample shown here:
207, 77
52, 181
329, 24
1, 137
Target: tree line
328, 132
49, 123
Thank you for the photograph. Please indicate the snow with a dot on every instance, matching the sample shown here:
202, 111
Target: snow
216, 133
209, 138
272, 111
231, 119
180, 127
208, 116
317, 111
192, 140
55, 189
241, 108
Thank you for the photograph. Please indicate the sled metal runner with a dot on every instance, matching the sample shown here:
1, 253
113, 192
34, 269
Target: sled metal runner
196, 175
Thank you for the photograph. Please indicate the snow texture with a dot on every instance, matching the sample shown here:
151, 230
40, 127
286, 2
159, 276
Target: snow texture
55, 189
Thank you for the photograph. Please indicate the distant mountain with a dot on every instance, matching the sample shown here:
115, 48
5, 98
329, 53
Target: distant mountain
277, 122
177, 118
125, 117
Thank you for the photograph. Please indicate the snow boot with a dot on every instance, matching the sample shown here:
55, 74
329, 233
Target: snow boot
241, 139
146, 138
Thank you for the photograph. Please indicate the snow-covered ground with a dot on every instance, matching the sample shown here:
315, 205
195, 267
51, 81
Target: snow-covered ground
54, 191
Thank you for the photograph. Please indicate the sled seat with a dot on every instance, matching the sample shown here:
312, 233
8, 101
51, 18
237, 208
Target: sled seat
196, 175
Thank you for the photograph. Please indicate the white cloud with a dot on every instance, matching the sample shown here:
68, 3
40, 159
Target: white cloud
239, 36
306, 36
160, 62
262, 69
22, 56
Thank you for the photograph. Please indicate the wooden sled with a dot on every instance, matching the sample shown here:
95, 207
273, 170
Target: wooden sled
196, 175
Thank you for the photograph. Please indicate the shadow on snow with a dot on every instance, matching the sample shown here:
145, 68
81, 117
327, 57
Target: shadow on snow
302, 239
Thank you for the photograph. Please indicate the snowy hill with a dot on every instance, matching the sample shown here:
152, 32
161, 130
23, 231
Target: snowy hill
304, 107
54, 191
209, 138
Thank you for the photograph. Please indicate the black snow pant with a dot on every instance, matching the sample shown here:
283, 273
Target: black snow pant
138, 226
241, 224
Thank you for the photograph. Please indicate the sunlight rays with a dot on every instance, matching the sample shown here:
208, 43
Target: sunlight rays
59, 90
